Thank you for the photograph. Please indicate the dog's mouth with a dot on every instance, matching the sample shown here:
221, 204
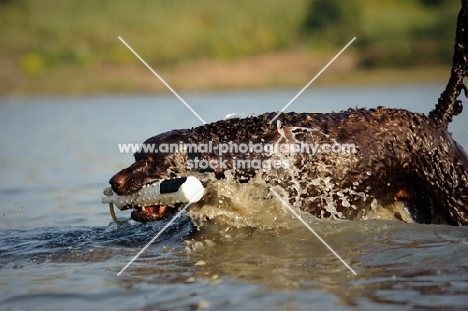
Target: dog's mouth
149, 213
156, 200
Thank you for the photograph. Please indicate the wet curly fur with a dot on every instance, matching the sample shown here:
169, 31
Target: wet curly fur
400, 155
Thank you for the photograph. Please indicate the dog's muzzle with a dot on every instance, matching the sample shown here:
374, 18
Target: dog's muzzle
153, 200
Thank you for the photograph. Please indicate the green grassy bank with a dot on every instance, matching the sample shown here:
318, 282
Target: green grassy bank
72, 47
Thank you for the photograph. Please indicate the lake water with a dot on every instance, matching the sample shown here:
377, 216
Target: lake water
59, 248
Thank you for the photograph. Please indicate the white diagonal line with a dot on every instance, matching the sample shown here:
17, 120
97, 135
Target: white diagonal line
313, 79
162, 80
160, 232
462, 125
313, 231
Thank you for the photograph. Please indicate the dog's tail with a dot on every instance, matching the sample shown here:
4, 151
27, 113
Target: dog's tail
448, 105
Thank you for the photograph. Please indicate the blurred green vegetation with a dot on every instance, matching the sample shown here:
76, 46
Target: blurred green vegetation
85, 32
391, 33
42, 35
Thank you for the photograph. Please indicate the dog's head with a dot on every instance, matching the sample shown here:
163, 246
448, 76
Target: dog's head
150, 166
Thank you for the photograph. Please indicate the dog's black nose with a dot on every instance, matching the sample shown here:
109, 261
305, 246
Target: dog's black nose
117, 182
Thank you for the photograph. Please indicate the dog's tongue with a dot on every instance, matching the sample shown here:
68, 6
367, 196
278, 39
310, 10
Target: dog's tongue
155, 209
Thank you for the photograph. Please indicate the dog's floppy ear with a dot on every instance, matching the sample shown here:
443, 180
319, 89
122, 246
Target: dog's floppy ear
151, 145
448, 105
174, 136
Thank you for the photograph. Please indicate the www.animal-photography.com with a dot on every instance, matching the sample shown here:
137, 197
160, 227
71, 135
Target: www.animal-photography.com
234, 155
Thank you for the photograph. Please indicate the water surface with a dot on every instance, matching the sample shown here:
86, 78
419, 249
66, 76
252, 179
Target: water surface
60, 250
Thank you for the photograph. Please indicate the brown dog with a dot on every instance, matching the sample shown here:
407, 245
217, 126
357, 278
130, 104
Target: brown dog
398, 156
